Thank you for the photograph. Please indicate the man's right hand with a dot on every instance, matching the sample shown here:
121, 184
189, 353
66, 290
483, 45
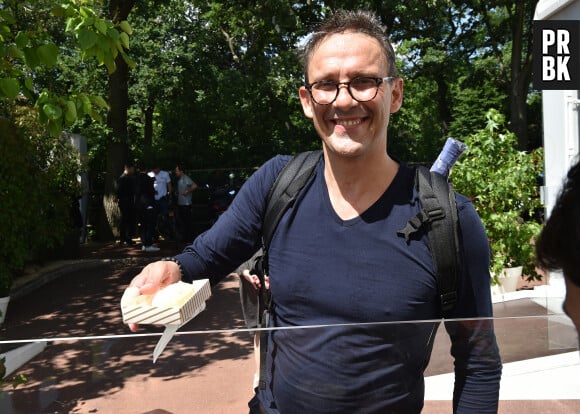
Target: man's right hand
153, 277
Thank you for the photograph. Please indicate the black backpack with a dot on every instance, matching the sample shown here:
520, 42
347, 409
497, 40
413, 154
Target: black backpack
438, 212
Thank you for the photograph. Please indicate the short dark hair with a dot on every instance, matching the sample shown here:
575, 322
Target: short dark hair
359, 21
558, 246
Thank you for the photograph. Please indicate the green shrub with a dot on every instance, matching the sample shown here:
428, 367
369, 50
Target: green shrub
36, 191
502, 183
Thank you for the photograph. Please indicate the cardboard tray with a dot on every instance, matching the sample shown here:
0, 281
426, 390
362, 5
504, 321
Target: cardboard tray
156, 315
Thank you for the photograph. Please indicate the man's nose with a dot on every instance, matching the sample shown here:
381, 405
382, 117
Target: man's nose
344, 97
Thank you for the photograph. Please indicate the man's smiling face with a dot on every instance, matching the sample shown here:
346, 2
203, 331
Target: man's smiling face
348, 127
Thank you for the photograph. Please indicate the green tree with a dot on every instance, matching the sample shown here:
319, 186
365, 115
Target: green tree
230, 93
508, 38
31, 58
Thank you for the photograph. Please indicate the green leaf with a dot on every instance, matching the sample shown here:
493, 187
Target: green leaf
31, 57
99, 101
53, 112
71, 24
9, 87
71, 112
113, 34
7, 16
101, 26
110, 64
100, 55
54, 127
130, 62
28, 90
96, 116
86, 104
126, 27
83, 23
59, 11
87, 38
5, 31
21, 40
48, 54
86, 12
15, 52
124, 40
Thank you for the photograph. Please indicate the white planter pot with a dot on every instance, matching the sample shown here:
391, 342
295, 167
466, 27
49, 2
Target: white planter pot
3, 307
509, 278
15, 358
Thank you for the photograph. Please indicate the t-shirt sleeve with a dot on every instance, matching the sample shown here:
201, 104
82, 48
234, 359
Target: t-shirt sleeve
474, 348
474, 293
236, 236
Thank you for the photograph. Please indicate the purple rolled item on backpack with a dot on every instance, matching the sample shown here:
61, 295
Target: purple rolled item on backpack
451, 151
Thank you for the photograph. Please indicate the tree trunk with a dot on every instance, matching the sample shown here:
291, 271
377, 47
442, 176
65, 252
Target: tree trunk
521, 73
117, 148
148, 127
443, 104
519, 112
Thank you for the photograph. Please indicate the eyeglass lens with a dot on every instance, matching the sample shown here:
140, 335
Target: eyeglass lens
360, 89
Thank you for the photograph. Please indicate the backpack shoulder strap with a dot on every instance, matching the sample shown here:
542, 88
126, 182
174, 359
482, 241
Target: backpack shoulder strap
439, 214
288, 184
291, 179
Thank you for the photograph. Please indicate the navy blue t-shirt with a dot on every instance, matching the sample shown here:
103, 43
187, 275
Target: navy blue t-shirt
360, 284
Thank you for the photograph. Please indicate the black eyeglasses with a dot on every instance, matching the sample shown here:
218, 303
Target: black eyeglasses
361, 89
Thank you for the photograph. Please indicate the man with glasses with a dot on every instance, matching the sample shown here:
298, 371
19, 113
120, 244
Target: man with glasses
336, 262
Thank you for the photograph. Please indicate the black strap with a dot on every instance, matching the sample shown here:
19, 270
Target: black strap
291, 179
439, 213
288, 184
281, 196
263, 348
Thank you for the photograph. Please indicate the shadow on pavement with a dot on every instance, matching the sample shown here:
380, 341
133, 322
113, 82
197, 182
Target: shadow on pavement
85, 303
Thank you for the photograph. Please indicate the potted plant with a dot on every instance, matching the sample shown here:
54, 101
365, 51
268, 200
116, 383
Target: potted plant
502, 182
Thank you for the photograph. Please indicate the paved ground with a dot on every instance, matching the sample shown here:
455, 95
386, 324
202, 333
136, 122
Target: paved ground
197, 373
106, 369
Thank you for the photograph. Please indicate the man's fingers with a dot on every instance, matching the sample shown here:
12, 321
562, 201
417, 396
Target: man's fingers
253, 279
149, 289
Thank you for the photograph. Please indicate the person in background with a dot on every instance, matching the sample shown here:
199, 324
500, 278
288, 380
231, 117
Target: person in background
336, 260
163, 191
145, 204
185, 187
558, 246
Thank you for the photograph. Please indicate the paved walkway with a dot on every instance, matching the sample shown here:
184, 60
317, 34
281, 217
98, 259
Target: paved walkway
106, 369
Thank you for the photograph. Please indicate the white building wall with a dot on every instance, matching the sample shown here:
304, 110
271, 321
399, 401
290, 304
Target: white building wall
560, 113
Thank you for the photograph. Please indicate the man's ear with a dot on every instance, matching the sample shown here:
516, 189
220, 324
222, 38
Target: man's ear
396, 95
306, 102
